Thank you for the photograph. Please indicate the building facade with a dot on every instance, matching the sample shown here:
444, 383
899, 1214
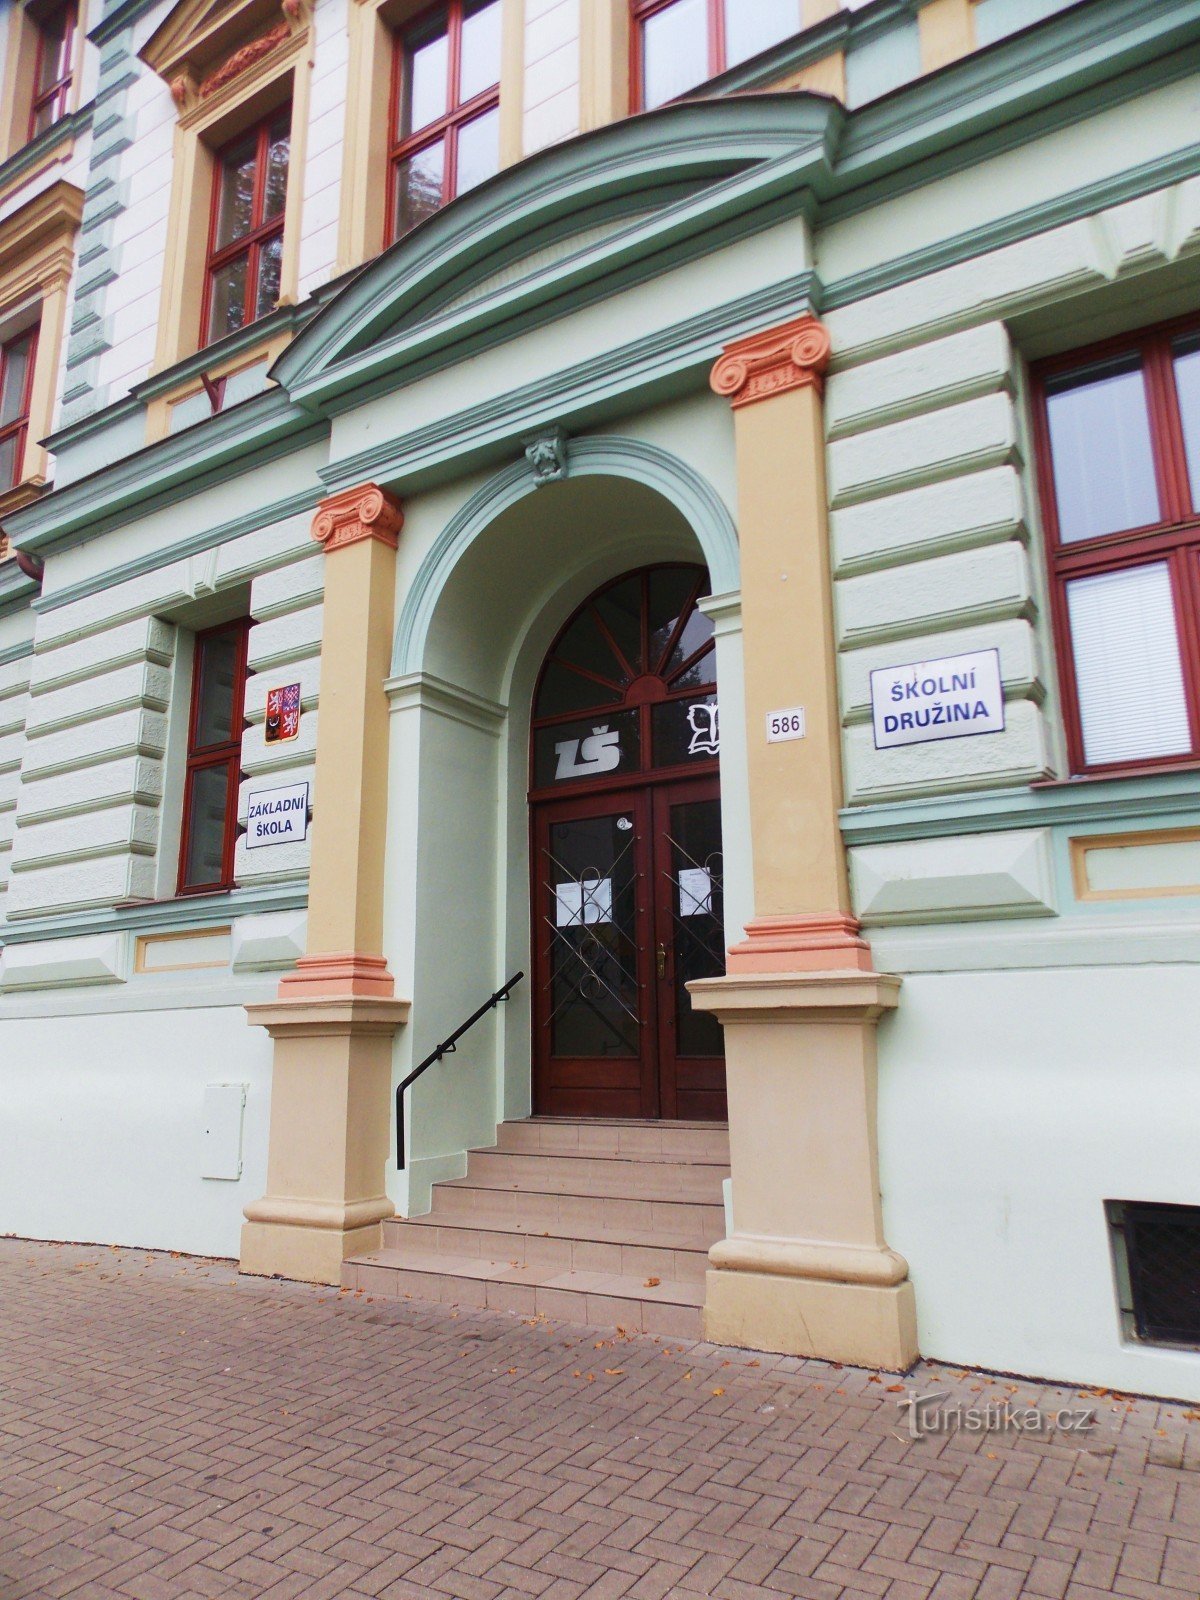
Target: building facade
689, 502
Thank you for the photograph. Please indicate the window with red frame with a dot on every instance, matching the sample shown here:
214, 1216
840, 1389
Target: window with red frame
445, 134
16, 386
678, 44
214, 758
1118, 438
245, 250
52, 70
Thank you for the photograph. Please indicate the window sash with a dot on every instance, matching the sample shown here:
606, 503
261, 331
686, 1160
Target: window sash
1174, 540
225, 756
52, 96
444, 129
17, 427
717, 41
261, 232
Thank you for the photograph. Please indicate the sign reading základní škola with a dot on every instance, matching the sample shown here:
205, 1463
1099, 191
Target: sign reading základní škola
944, 699
277, 816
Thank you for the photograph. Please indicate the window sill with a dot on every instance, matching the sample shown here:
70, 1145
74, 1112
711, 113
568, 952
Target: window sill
1116, 774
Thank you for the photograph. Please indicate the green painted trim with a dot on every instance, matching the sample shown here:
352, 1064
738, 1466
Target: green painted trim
665, 364
284, 320
680, 484
751, 154
176, 468
163, 555
1086, 802
119, 18
15, 588
16, 652
158, 916
1047, 214
65, 129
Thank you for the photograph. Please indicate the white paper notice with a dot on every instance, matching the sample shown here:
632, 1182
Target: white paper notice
695, 892
579, 903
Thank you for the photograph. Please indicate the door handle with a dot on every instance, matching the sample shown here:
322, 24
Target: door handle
660, 959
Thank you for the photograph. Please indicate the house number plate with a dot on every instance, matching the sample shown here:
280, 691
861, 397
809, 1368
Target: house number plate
786, 724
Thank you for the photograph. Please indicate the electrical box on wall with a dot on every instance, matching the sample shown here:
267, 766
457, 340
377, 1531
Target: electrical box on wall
221, 1137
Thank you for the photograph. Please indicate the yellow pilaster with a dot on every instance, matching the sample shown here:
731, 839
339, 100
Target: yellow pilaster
806, 1269
947, 31
335, 1017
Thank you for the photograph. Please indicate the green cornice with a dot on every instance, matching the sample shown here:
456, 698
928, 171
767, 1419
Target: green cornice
15, 589
62, 132
760, 152
119, 17
16, 652
158, 916
745, 170
671, 361
1095, 801
162, 555
1052, 213
234, 442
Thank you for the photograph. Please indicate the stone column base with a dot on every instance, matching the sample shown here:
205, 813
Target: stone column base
806, 1270
330, 1135
864, 1324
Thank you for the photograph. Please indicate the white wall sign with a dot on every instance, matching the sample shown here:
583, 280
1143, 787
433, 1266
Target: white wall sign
944, 699
785, 724
277, 816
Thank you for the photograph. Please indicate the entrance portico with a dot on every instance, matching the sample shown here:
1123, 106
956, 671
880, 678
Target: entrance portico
514, 843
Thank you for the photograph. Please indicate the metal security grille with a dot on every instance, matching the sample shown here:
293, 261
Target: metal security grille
1162, 1248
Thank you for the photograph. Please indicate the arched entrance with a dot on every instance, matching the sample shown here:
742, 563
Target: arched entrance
626, 856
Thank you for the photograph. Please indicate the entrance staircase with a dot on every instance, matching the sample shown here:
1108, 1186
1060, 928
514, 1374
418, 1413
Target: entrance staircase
605, 1223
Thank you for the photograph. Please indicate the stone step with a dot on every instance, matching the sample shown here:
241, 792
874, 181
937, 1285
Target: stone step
533, 1210
590, 1249
597, 1299
629, 1176
647, 1141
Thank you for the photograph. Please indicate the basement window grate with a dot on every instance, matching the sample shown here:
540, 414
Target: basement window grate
1157, 1251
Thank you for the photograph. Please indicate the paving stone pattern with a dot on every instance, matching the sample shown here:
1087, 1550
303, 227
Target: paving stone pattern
169, 1431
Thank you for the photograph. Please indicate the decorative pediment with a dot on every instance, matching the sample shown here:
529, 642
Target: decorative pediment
203, 44
575, 223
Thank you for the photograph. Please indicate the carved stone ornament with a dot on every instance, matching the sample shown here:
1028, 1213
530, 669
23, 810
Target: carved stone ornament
793, 356
367, 512
233, 66
547, 456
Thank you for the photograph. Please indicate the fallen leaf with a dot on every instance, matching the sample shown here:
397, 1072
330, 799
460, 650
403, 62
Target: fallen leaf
651, 1283
895, 1388
614, 1372
718, 1391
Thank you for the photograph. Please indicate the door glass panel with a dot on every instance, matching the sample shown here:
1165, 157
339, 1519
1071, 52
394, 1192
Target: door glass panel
674, 51
696, 889
563, 690
686, 730
204, 860
754, 25
1100, 440
671, 590
593, 748
585, 645
620, 609
1128, 671
590, 907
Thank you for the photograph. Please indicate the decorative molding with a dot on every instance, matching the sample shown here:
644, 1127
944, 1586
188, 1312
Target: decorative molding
547, 457
680, 484
815, 943
233, 66
426, 692
367, 512
159, 916
775, 362
348, 974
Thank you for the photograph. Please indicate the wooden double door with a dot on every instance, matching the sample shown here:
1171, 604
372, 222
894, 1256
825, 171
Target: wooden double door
628, 908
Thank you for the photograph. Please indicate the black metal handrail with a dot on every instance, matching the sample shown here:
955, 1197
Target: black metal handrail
446, 1048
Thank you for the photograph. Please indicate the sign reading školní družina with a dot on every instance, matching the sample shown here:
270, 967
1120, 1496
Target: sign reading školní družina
277, 816
948, 698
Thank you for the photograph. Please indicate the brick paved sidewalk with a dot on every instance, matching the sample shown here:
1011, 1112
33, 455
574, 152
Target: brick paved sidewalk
169, 1431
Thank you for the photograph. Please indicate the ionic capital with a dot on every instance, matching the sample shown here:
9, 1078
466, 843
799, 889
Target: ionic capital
793, 356
367, 512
